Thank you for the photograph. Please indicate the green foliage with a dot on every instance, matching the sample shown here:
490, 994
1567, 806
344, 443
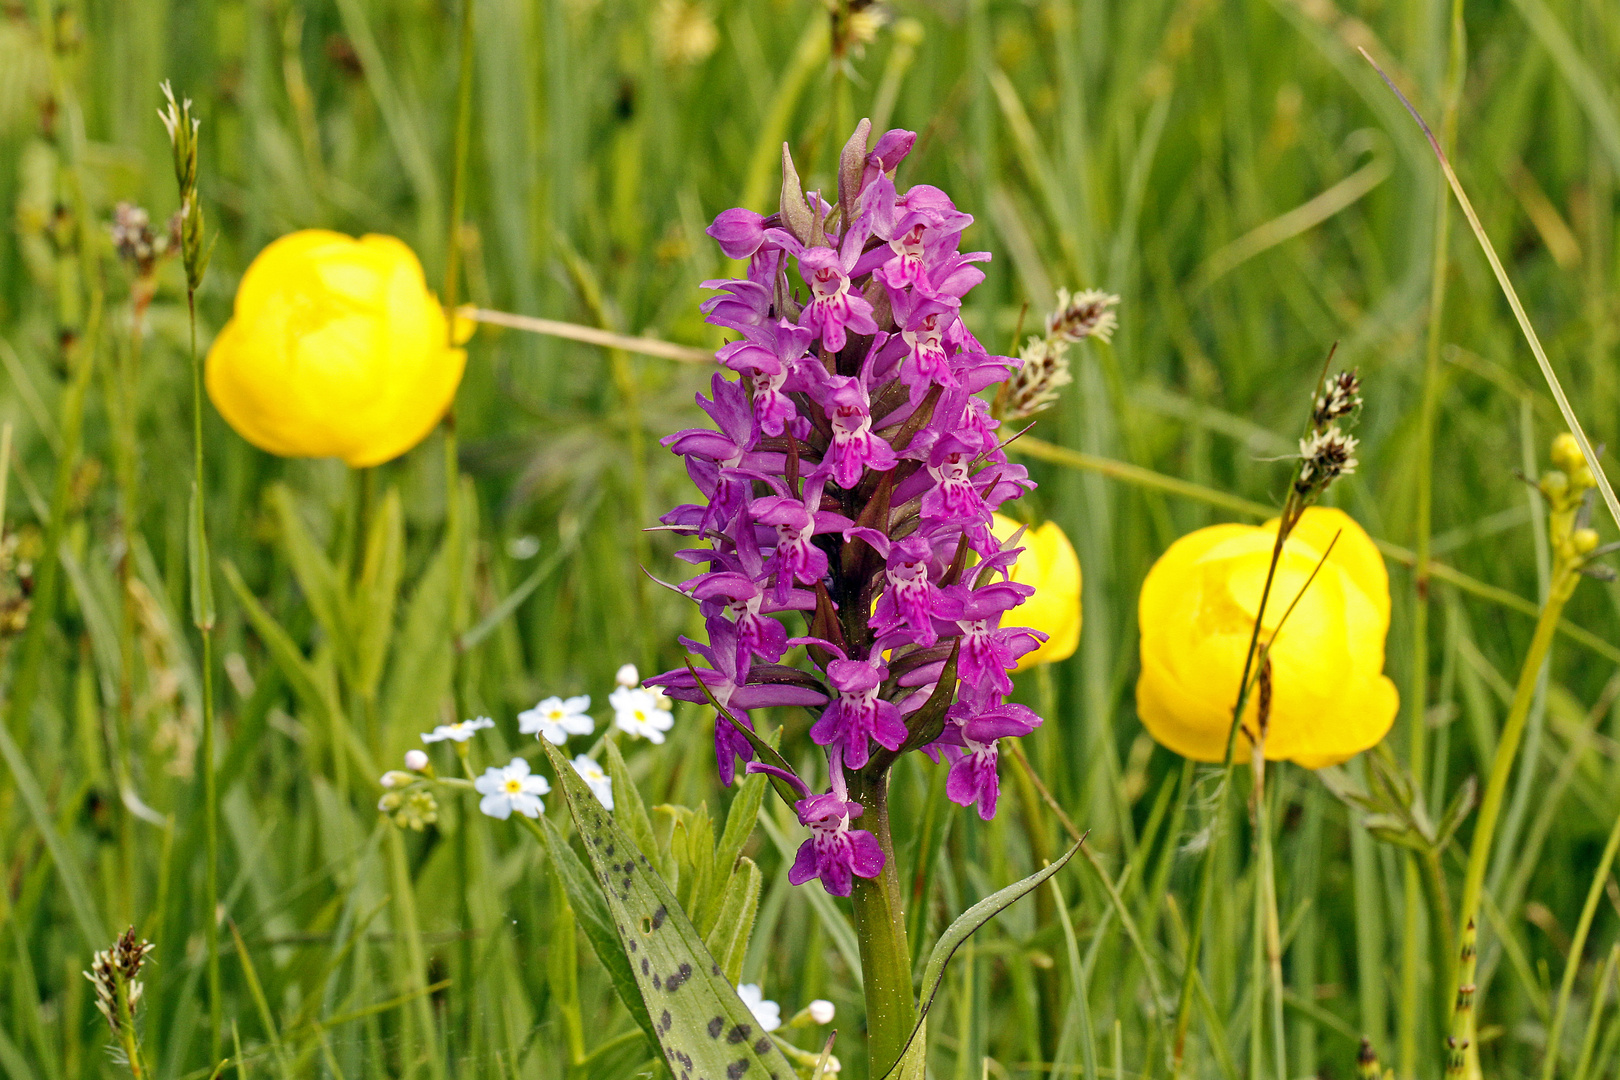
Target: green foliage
701, 1024
1233, 170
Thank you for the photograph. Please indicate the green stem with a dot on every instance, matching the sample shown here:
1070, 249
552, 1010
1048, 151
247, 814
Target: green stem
1490, 809
1273, 926
1206, 868
205, 627
453, 524
880, 928
126, 1029
1417, 697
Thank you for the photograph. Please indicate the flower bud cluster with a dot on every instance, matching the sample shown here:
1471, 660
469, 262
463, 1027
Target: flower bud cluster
851, 473
183, 128
137, 243
1045, 360
116, 971
406, 797
1566, 488
1327, 451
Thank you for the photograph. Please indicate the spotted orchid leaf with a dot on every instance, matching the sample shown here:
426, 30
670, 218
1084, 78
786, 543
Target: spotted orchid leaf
702, 1026
591, 913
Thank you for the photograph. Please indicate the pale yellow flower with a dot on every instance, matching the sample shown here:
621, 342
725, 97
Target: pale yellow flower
1330, 699
1048, 562
336, 349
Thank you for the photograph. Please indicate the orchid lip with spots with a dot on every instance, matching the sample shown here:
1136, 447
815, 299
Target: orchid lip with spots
850, 476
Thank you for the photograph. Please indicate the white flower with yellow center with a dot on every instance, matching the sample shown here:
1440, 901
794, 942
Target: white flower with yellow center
509, 789
555, 719
636, 711
458, 732
600, 783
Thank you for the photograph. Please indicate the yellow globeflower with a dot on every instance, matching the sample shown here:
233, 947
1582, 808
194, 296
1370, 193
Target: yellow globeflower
336, 349
1330, 699
1048, 562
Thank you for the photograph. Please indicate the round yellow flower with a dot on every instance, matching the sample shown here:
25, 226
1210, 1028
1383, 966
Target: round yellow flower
1330, 699
1048, 562
336, 349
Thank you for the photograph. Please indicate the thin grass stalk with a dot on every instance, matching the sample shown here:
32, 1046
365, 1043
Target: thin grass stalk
1600, 1000
1577, 946
454, 524
205, 626
1257, 951
1273, 927
1418, 694
1566, 410
1463, 1037
1206, 870
183, 139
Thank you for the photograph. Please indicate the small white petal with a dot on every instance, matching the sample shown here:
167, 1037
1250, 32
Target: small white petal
627, 676
822, 1011
416, 760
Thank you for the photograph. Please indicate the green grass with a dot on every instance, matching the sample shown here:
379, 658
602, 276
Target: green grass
1160, 149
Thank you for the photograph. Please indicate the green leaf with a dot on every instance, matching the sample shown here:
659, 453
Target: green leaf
698, 870
631, 812
734, 925
513, 600
317, 577
1461, 803
419, 673
963, 928
202, 581
73, 883
740, 820
591, 911
284, 652
703, 1027
376, 594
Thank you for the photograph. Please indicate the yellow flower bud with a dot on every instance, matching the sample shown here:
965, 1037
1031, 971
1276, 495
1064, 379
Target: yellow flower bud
1048, 562
336, 349
1585, 541
1566, 452
1330, 699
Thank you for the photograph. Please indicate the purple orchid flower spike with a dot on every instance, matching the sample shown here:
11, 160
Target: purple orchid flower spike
977, 721
769, 356
746, 303
854, 447
857, 717
850, 466
834, 852
797, 522
835, 307
739, 232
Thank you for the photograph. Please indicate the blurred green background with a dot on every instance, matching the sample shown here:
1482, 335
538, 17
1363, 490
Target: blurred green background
1235, 171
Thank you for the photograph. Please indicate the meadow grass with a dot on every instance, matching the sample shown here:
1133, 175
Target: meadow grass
1235, 171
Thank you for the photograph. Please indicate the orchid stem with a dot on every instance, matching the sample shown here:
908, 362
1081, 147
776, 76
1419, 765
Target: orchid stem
880, 928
